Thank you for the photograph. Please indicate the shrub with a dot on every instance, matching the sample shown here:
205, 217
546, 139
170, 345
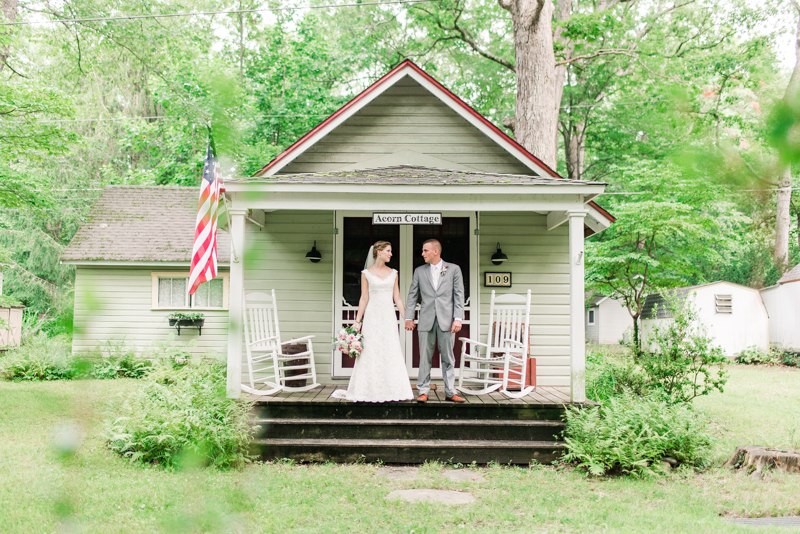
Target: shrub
608, 375
118, 360
682, 360
187, 416
632, 435
40, 358
756, 355
791, 358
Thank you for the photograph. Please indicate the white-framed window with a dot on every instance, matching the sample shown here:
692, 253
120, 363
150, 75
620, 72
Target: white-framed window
723, 303
171, 292
591, 316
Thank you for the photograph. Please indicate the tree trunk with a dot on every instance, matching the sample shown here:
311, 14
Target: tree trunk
637, 342
9, 9
574, 149
784, 197
536, 117
783, 219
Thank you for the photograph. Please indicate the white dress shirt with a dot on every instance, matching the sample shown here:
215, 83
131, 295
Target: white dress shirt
436, 275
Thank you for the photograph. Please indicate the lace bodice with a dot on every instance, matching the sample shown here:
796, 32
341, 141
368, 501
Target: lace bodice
380, 288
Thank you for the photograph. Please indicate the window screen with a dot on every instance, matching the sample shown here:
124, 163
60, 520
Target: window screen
208, 295
172, 293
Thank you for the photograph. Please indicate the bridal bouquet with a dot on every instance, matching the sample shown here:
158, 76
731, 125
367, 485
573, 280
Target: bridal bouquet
349, 341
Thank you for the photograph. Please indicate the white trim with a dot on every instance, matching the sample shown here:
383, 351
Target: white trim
443, 201
577, 307
548, 189
155, 275
591, 316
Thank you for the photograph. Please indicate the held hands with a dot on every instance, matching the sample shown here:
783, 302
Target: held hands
409, 325
456, 327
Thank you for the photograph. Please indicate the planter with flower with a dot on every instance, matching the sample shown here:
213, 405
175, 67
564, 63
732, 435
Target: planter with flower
183, 320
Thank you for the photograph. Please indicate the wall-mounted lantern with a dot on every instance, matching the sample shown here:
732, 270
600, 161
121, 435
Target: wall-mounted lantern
498, 257
314, 254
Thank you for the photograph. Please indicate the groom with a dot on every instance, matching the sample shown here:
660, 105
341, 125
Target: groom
439, 287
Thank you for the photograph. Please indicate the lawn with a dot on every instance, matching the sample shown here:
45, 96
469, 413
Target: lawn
95, 491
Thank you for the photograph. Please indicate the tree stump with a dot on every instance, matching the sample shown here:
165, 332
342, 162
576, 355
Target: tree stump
754, 459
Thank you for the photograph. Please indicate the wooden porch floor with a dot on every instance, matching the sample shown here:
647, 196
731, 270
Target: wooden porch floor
541, 396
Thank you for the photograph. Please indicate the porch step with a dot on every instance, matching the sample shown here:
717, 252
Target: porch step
410, 451
408, 410
410, 429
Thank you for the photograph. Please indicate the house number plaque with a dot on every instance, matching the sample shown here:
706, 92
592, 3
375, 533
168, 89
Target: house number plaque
497, 279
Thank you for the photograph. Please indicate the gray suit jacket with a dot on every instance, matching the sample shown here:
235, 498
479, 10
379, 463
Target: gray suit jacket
443, 304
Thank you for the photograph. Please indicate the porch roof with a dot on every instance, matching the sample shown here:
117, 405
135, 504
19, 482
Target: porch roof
416, 175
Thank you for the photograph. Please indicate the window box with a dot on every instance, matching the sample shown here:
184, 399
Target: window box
191, 320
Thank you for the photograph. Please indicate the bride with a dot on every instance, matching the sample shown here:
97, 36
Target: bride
380, 373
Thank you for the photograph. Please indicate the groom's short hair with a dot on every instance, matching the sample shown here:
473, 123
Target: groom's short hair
435, 243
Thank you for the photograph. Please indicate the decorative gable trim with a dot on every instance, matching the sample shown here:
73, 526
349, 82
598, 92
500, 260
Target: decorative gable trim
406, 68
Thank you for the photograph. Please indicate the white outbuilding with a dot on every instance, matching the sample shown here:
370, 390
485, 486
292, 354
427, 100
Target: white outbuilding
783, 304
608, 321
734, 316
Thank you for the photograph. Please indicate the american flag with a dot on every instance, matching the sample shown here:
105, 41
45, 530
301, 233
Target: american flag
204, 252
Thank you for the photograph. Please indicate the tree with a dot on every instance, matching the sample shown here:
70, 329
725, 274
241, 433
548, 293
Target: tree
663, 234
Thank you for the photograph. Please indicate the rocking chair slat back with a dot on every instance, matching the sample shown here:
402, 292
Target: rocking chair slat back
501, 363
266, 361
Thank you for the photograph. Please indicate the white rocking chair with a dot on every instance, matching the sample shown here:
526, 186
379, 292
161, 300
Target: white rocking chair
501, 361
262, 338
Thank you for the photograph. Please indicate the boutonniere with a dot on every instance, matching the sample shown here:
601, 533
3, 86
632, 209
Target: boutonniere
444, 269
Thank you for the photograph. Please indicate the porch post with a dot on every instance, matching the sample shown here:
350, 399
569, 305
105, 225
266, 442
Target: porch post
577, 334
235, 311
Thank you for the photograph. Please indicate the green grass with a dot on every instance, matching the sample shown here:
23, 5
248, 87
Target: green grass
96, 491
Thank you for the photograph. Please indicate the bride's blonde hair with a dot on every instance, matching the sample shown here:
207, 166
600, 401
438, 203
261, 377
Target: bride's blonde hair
378, 246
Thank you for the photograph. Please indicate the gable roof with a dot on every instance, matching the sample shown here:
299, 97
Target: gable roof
141, 224
407, 68
791, 276
680, 294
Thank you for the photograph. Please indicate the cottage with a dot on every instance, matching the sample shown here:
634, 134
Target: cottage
783, 304
734, 316
132, 258
404, 161
607, 321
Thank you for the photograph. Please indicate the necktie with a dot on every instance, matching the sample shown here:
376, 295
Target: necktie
434, 273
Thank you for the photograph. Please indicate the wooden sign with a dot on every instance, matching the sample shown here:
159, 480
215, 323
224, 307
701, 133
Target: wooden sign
497, 279
407, 218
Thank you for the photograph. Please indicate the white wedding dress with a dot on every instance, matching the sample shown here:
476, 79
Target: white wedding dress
380, 373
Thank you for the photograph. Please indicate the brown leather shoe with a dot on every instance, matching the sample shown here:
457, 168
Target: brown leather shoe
456, 398
422, 398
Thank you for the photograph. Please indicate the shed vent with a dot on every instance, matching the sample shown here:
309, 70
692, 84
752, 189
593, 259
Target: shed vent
724, 303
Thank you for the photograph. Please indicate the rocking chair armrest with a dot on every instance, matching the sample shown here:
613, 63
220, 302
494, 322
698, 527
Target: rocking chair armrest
263, 339
473, 342
515, 342
295, 340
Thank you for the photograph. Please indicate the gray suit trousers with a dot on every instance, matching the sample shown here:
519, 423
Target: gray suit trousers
427, 340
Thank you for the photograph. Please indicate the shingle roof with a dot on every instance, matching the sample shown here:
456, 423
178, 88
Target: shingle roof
142, 223
791, 276
413, 175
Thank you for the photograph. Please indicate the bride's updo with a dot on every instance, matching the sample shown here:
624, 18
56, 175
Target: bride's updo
378, 246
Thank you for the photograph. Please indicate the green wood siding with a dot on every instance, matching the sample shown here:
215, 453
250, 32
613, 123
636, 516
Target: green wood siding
276, 259
114, 304
538, 260
406, 117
